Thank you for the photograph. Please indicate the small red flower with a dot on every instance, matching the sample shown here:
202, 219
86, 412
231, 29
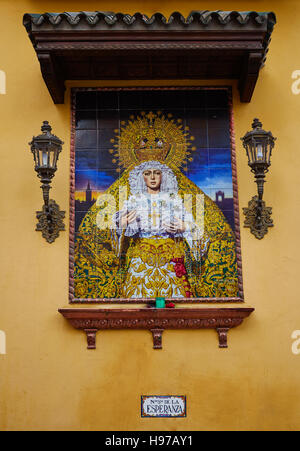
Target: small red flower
180, 272
179, 267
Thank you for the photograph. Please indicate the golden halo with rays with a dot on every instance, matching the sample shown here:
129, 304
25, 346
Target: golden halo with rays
152, 136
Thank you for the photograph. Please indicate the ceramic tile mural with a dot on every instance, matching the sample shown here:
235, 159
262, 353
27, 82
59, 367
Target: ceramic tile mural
154, 208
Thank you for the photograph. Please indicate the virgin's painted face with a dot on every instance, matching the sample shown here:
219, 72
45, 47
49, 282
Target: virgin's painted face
152, 179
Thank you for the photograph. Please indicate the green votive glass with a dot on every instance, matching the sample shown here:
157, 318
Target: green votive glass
160, 302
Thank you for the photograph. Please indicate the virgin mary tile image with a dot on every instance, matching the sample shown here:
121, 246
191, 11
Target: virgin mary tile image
158, 229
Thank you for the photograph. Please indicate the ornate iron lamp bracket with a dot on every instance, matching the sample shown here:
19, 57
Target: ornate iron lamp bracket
50, 221
258, 227
46, 149
259, 145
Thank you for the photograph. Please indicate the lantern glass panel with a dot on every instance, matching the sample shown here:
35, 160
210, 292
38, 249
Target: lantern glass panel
36, 157
247, 146
270, 146
260, 151
53, 158
43, 157
252, 147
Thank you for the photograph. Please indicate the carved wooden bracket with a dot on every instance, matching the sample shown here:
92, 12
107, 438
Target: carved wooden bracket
155, 320
157, 338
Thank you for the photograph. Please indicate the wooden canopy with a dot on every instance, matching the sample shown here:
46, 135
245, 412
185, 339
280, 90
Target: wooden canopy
108, 46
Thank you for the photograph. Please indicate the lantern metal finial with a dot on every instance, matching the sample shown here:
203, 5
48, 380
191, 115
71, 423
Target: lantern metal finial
259, 145
256, 123
46, 127
46, 149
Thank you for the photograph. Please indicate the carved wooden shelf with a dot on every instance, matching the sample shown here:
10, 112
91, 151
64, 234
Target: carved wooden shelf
155, 320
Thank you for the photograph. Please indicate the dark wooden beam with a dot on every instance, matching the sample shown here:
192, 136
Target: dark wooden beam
249, 76
54, 80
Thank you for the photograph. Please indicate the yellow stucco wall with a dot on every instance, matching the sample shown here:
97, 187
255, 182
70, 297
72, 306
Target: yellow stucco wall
48, 380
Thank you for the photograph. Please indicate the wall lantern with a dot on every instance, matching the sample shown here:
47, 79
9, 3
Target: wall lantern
258, 144
46, 149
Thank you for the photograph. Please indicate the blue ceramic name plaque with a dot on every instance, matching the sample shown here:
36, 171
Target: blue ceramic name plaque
163, 406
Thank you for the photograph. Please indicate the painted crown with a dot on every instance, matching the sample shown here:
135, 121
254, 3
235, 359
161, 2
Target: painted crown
151, 136
152, 145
